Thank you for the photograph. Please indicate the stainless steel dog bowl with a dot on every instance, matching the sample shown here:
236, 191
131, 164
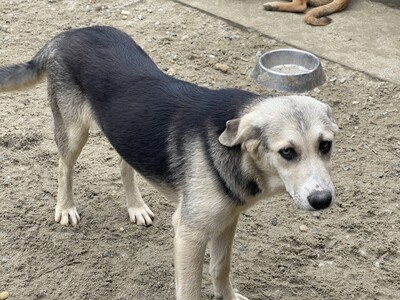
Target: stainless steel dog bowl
289, 70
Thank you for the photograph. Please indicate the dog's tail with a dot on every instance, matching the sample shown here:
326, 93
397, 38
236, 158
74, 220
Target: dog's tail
317, 16
24, 75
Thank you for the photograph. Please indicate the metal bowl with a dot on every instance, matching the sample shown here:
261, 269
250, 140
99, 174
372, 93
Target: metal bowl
289, 70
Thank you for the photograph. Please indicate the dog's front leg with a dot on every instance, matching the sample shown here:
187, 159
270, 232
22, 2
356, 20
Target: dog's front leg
188, 260
220, 264
138, 211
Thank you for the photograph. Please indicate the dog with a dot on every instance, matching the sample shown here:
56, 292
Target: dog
217, 152
316, 16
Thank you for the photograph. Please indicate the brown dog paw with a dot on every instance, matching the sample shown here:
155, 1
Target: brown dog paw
270, 7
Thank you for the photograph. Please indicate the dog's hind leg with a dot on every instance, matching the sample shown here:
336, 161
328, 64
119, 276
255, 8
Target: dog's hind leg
138, 211
294, 6
220, 263
72, 119
70, 141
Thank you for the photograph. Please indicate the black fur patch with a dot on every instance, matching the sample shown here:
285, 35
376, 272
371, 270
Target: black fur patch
136, 104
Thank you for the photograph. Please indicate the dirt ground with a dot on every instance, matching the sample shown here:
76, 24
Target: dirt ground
350, 251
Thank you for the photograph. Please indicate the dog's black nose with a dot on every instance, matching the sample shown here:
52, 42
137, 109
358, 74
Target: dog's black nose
320, 199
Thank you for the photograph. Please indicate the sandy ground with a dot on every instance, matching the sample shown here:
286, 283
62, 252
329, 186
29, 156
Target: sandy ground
348, 252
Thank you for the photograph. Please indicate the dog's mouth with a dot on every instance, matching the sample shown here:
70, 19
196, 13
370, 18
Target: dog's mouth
301, 202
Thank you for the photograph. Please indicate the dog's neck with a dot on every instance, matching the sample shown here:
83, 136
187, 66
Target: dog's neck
269, 183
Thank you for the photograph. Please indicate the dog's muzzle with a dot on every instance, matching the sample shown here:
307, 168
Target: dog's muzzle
314, 194
320, 199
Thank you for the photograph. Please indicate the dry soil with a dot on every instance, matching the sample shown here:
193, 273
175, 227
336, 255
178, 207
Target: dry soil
350, 251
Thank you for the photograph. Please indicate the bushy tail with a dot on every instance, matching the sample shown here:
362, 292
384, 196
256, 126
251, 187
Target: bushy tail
317, 16
24, 75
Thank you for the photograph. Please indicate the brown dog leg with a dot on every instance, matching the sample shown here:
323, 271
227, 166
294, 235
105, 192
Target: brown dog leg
294, 6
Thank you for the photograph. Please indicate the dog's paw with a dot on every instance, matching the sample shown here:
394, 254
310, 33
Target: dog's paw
141, 215
67, 216
270, 6
239, 297
232, 296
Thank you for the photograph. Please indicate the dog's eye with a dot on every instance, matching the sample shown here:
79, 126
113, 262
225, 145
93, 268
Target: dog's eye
325, 146
288, 153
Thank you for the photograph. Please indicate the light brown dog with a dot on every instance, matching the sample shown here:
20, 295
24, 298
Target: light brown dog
316, 16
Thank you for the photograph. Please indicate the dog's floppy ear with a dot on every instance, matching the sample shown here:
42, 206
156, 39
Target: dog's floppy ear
233, 136
230, 137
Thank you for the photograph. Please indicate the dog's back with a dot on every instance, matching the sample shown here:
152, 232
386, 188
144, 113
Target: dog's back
121, 81
97, 56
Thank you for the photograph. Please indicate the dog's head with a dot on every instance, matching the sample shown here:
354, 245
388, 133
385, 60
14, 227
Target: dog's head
287, 142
